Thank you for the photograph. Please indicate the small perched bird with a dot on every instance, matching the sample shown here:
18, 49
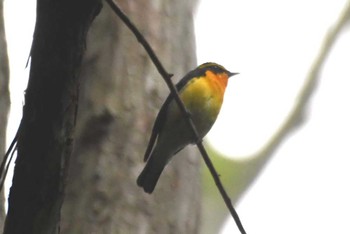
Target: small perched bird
202, 92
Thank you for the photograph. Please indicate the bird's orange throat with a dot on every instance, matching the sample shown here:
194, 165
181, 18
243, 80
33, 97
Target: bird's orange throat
218, 81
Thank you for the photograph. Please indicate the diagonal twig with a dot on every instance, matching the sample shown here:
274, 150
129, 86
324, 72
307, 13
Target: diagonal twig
6, 161
166, 76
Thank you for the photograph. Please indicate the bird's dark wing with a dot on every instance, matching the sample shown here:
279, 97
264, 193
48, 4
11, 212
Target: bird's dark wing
158, 125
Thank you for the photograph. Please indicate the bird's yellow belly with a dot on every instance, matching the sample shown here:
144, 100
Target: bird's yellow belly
203, 99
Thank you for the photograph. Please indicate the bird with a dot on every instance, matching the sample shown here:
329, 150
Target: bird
202, 92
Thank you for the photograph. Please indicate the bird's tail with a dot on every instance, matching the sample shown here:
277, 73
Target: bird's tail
151, 173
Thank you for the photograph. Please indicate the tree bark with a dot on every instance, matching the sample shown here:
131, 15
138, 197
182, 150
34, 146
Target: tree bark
4, 100
46, 133
120, 97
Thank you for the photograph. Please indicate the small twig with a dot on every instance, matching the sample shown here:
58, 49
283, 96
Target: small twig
6, 161
175, 93
4, 174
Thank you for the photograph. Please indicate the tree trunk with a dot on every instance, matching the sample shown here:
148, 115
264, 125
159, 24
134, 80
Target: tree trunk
119, 99
4, 100
46, 133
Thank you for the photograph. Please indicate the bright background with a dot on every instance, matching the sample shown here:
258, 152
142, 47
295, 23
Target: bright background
305, 187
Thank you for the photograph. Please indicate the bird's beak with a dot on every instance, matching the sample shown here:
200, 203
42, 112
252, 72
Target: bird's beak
232, 74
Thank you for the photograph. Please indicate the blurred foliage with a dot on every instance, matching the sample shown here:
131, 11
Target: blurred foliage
230, 172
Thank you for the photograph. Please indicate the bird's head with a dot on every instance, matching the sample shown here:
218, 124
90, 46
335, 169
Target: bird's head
216, 69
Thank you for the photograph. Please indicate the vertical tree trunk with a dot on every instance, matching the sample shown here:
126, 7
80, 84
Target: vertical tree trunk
4, 99
120, 96
46, 134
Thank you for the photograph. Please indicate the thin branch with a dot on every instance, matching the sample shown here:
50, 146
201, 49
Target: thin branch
6, 169
166, 76
6, 161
